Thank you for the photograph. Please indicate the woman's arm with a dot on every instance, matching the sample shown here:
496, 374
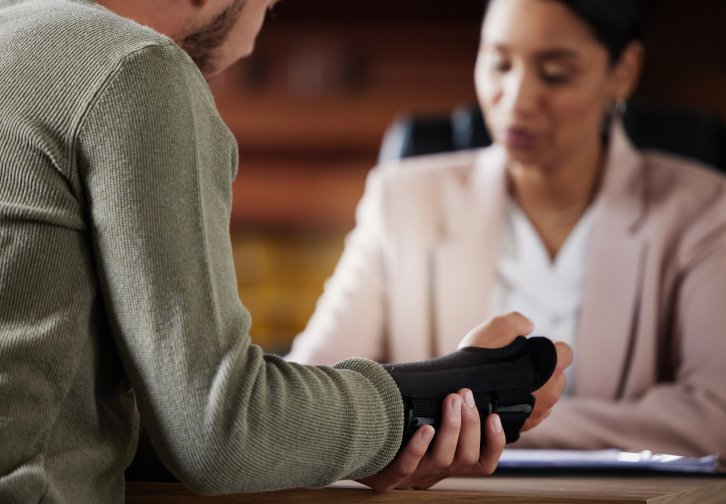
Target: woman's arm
349, 318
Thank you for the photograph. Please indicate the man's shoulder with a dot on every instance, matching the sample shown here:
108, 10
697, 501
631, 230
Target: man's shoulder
75, 23
72, 39
61, 55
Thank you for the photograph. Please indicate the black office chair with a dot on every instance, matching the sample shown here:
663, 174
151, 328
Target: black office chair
687, 134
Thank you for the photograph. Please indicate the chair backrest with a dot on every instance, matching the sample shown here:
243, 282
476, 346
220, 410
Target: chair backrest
687, 134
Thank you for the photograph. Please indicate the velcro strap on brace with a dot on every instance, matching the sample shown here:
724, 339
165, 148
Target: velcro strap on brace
501, 379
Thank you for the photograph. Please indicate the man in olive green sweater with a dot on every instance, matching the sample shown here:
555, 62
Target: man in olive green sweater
117, 288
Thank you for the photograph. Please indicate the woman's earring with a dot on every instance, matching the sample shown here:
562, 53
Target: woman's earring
621, 106
617, 107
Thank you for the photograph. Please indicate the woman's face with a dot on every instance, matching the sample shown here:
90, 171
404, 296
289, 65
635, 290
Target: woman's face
543, 81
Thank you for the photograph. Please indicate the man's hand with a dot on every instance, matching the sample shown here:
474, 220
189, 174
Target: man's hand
457, 450
501, 331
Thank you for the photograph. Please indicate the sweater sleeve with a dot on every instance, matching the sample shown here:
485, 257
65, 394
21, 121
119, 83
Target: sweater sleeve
156, 164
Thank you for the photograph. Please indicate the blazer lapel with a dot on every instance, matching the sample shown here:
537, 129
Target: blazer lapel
462, 263
615, 269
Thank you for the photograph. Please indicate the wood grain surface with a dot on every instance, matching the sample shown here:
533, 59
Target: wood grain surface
494, 490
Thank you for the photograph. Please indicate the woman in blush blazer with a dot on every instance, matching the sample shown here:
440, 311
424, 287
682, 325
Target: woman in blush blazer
620, 253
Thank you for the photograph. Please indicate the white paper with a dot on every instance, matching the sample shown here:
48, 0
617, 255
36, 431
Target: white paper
605, 459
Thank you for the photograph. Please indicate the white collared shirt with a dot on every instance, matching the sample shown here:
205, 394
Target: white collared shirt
548, 292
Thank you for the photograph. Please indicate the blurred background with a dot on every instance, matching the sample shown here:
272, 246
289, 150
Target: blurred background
310, 107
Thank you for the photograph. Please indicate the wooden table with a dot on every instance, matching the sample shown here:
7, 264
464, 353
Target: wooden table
493, 490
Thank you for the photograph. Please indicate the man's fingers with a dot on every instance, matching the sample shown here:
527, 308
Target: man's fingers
447, 437
467, 453
405, 463
491, 451
493, 446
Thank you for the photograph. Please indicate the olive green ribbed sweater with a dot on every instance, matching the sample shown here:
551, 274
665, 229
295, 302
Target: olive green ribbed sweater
116, 272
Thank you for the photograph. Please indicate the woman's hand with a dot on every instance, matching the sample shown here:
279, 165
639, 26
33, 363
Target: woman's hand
548, 395
501, 331
498, 332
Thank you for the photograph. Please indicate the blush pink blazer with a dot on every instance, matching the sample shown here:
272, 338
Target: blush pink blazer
650, 359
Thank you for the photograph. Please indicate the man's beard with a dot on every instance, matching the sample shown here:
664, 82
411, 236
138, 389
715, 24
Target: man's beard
201, 44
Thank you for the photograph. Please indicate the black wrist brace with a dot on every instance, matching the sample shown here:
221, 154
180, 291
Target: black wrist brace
502, 381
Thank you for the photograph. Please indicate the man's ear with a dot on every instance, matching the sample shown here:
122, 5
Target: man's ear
626, 73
